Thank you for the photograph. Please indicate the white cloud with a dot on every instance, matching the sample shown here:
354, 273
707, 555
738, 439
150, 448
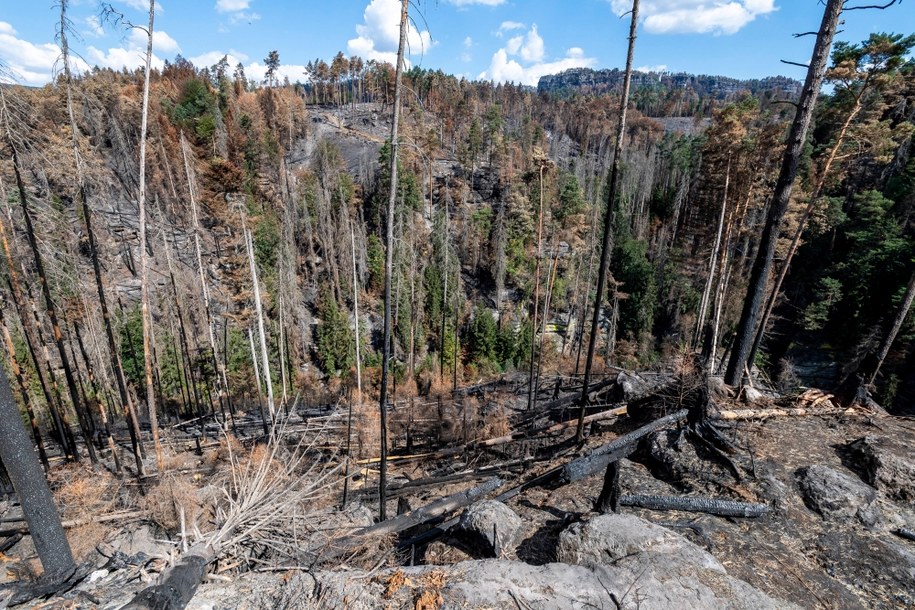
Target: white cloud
256, 72
472, 2
133, 54
31, 63
94, 26
211, 58
522, 60
532, 49
466, 56
142, 5
697, 16
508, 26
379, 34
229, 6
657, 68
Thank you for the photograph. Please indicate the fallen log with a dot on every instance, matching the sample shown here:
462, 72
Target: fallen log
907, 534
751, 414
500, 440
712, 506
128, 514
616, 449
177, 584
429, 511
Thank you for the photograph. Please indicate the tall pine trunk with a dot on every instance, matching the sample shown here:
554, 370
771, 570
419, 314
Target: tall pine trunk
389, 266
607, 244
759, 275
144, 258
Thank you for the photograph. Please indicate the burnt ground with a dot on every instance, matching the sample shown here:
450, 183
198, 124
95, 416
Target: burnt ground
838, 550
793, 553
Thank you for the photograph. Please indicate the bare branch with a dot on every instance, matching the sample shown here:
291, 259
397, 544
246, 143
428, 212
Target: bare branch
879, 7
794, 63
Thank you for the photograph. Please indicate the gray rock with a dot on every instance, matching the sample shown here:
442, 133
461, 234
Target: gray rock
495, 583
752, 395
890, 469
609, 539
142, 539
490, 518
632, 386
833, 494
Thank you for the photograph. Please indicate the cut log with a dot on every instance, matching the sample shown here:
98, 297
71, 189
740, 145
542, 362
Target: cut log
617, 449
712, 506
750, 414
177, 584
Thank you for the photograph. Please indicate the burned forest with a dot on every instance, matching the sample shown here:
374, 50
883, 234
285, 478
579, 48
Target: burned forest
385, 337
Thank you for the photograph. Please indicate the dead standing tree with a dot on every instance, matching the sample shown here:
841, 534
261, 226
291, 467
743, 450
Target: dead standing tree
389, 264
14, 142
82, 192
607, 244
32, 488
759, 276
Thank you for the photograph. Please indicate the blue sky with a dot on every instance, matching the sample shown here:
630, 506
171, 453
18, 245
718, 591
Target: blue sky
501, 40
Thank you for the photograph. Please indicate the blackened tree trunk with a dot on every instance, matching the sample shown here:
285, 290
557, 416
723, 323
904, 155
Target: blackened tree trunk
126, 403
759, 276
23, 390
46, 291
32, 488
607, 244
389, 266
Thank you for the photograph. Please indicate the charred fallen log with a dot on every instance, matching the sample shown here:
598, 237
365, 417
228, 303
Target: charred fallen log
617, 449
178, 584
712, 506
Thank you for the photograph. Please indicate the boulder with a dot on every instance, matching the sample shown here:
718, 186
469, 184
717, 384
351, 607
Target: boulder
488, 518
608, 539
891, 469
833, 494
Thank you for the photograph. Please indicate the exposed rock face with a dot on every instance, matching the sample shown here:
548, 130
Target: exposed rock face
834, 494
608, 539
487, 519
498, 583
718, 87
888, 467
655, 567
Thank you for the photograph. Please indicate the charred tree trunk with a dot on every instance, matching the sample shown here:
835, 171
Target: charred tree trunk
32, 488
759, 276
607, 244
23, 391
389, 264
46, 291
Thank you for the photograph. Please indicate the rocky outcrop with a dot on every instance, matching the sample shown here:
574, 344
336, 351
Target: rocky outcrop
611, 561
887, 466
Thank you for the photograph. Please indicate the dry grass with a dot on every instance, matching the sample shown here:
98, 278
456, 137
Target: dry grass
165, 500
81, 494
272, 494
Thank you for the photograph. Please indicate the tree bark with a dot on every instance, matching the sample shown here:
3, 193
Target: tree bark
901, 315
144, 262
23, 391
389, 263
607, 244
759, 276
32, 488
